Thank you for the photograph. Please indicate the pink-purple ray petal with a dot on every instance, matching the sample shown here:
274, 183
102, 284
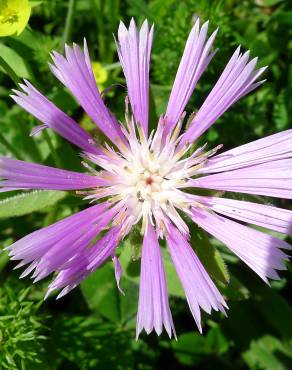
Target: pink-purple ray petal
272, 179
194, 62
35, 245
134, 48
237, 79
153, 309
200, 291
75, 72
85, 262
269, 217
65, 250
260, 251
45, 111
270, 148
65, 247
16, 174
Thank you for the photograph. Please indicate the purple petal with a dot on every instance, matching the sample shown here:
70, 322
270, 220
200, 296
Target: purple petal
199, 289
65, 247
153, 309
118, 272
269, 217
272, 179
194, 62
75, 72
258, 250
60, 237
61, 254
236, 81
38, 129
270, 148
16, 174
44, 110
134, 49
85, 262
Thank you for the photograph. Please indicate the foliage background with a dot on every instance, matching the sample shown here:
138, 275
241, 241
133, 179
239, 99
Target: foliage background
94, 326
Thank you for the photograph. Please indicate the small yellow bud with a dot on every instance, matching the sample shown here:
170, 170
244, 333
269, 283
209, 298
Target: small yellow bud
100, 74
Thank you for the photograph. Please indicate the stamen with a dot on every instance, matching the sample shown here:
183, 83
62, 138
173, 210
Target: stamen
177, 128
139, 196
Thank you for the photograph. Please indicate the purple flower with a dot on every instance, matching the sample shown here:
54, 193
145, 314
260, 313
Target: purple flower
151, 179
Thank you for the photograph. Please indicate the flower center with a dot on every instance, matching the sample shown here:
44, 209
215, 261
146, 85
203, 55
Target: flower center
148, 185
9, 16
148, 178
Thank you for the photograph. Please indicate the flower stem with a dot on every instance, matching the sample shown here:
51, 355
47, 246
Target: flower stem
52, 149
98, 9
68, 24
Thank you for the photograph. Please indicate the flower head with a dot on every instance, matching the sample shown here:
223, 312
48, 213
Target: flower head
14, 16
150, 179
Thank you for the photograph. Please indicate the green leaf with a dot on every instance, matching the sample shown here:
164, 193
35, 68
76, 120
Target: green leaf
173, 284
217, 342
209, 256
129, 301
25, 203
15, 61
101, 293
268, 3
190, 348
276, 310
235, 290
87, 342
129, 261
9, 71
36, 2
284, 17
269, 353
280, 113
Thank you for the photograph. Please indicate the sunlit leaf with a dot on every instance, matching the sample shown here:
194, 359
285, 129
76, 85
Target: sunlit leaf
15, 61
209, 256
101, 293
269, 353
25, 203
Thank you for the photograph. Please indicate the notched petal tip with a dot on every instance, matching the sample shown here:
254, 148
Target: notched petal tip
196, 22
67, 49
14, 97
145, 24
237, 50
122, 31
205, 26
132, 25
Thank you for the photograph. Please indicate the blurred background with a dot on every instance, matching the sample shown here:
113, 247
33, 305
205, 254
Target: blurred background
94, 326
